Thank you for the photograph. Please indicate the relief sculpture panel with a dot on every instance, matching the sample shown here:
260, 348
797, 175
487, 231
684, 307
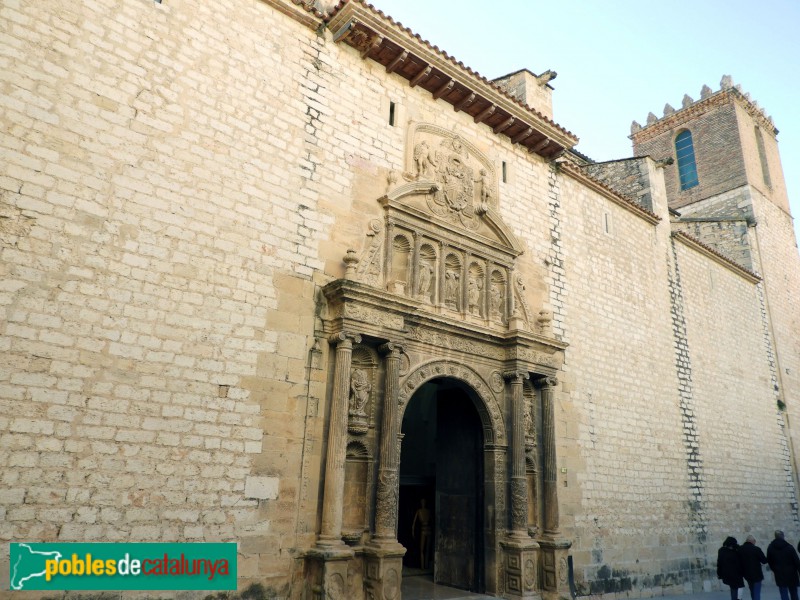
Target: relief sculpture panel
466, 181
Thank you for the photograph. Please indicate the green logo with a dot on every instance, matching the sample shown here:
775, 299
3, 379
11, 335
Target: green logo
99, 566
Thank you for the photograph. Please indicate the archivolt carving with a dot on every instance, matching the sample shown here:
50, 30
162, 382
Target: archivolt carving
441, 368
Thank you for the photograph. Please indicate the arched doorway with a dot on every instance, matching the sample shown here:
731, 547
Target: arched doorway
442, 499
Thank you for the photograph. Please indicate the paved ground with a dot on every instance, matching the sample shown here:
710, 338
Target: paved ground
768, 592
422, 588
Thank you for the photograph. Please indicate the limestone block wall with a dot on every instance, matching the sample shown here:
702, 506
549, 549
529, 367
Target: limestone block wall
626, 484
180, 180
741, 491
155, 195
777, 257
669, 405
732, 203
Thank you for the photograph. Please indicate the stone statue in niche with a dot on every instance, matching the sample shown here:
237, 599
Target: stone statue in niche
451, 290
528, 422
474, 287
496, 299
360, 389
424, 280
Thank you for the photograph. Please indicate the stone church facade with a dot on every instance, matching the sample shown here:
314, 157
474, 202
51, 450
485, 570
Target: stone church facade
291, 276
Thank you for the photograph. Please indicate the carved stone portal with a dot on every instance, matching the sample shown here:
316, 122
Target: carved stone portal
435, 295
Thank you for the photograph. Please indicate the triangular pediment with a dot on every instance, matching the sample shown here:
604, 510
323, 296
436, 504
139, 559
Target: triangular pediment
482, 225
442, 241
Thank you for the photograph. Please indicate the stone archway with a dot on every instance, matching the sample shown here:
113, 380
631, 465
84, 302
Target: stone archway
441, 500
488, 406
488, 498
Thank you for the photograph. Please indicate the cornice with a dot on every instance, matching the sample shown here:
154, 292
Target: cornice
299, 11
378, 37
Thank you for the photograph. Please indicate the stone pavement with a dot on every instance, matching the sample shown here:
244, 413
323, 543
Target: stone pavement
769, 591
422, 588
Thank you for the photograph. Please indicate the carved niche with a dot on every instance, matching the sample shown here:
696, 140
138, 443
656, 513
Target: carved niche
441, 241
362, 375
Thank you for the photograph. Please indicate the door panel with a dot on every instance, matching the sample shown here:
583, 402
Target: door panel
458, 460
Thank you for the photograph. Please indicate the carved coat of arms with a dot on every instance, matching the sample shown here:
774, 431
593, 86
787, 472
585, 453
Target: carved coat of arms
446, 161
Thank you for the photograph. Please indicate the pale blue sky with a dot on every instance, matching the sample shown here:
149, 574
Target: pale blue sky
617, 60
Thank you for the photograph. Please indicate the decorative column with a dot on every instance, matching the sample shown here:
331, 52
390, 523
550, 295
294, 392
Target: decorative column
555, 583
549, 471
333, 493
384, 554
328, 560
519, 484
520, 551
389, 453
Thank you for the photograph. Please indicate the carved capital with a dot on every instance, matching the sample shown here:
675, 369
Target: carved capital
516, 376
391, 349
547, 382
344, 337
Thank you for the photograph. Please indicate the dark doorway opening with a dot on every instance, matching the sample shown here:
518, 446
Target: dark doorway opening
441, 478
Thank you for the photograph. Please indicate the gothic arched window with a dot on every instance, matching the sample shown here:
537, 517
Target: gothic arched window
687, 167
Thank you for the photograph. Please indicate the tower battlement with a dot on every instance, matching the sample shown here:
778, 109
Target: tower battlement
690, 108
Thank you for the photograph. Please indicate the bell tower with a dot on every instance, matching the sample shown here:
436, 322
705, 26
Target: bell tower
725, 186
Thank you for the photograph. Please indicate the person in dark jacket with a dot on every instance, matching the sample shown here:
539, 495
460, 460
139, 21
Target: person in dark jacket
784, 562
752, 559
729, 566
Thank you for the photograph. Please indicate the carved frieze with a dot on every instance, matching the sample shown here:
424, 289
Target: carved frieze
452, 342
359, 312
537, 357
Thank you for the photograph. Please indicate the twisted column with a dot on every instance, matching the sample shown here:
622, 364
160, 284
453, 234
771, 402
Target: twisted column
389, 457
333, 493
550, 476
519, 487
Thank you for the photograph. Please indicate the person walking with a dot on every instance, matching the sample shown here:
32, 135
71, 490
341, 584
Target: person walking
729, 566
752, 559
784, 562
